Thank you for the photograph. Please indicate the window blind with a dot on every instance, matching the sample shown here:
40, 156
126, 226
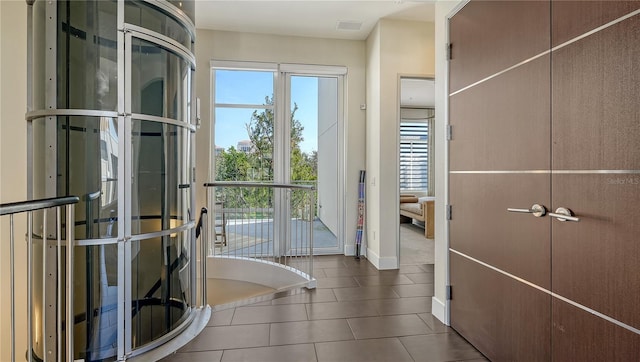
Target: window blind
414, 156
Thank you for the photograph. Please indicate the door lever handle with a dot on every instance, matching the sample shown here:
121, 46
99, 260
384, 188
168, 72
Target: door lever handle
536, 209
564, 214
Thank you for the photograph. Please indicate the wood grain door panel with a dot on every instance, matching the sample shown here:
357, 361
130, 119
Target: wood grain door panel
503, 318
574, 18
596, 91
596, 262
489, 36
581, 336
573, 114
503, 123
482, 228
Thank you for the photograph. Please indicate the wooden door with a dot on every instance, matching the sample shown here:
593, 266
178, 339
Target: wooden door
499, 158
544, 104
596, 162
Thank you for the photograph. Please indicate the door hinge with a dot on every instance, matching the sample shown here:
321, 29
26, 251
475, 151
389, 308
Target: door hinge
449, 292
449, 132
449, 212
448, 51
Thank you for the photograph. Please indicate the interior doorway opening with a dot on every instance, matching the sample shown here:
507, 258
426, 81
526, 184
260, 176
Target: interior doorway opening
415, 159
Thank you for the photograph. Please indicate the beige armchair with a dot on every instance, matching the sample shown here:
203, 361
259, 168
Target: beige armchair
421, 209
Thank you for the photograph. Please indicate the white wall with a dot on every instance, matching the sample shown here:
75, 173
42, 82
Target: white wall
221, 45
394, 48
372, 212
13, 163
443, 8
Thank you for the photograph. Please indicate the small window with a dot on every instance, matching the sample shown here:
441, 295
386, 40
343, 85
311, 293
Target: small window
414, 155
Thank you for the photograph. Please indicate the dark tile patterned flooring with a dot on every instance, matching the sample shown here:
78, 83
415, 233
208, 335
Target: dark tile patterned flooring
357, 313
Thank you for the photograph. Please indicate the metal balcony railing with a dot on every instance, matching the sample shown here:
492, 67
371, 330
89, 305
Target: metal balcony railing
58, 338
265, 221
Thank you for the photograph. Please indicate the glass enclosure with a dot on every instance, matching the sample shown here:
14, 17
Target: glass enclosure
110, 106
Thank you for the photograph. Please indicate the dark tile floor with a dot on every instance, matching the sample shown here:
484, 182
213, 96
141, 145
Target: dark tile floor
357, 313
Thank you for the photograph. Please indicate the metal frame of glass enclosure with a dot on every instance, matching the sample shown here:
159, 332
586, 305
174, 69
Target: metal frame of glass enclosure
111, 100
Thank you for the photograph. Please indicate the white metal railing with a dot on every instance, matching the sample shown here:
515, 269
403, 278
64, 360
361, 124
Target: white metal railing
266, 221
54, 250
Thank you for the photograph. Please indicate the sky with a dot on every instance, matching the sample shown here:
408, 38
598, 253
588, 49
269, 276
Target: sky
251, 87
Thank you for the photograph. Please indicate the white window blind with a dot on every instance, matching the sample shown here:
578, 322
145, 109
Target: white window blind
414, 156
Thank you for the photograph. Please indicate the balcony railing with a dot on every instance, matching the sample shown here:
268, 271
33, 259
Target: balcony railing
263, 221
56, 341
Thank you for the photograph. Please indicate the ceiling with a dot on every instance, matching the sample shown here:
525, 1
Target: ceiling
319, 18
310, 18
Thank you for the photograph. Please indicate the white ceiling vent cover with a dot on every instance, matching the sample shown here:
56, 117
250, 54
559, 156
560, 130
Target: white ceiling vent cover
348, 25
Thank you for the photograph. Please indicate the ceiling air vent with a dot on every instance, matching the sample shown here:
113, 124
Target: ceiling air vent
349, 25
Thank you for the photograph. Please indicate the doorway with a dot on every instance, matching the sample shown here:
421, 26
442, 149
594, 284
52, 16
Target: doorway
415, 159
286, 128
314, 128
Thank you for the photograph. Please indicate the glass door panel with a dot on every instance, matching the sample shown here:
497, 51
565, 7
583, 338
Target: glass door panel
245, 145
313, 148
161, 175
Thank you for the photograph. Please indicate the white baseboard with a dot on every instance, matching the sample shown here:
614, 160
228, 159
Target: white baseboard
349, 249
389, 262
439, 310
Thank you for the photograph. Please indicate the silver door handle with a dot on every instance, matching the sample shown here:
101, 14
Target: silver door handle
536, 209
564, 214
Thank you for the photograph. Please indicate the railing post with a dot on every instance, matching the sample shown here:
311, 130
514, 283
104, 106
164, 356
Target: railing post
44, 285
29, 286
59, 283
70, 225
13, 289
204, 241
312, 213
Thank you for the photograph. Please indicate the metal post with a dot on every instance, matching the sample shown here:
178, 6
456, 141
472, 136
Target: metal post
29, 286
44, 285
59, 283
312, 213
13, 289
70, 246
204, 233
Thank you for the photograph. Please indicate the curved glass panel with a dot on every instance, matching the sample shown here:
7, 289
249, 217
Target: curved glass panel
87, 55
149, 17
87, 166
96, 302
188, 7
160, 82
161, 172
160, 285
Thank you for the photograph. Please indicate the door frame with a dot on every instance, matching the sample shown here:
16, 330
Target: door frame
286, 72
281, 89
445, 314
431, 146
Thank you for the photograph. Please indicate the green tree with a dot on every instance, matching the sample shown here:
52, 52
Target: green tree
232, 165
257, 164
260, 131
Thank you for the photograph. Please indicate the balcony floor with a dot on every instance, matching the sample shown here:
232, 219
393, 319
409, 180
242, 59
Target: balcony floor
357, 313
